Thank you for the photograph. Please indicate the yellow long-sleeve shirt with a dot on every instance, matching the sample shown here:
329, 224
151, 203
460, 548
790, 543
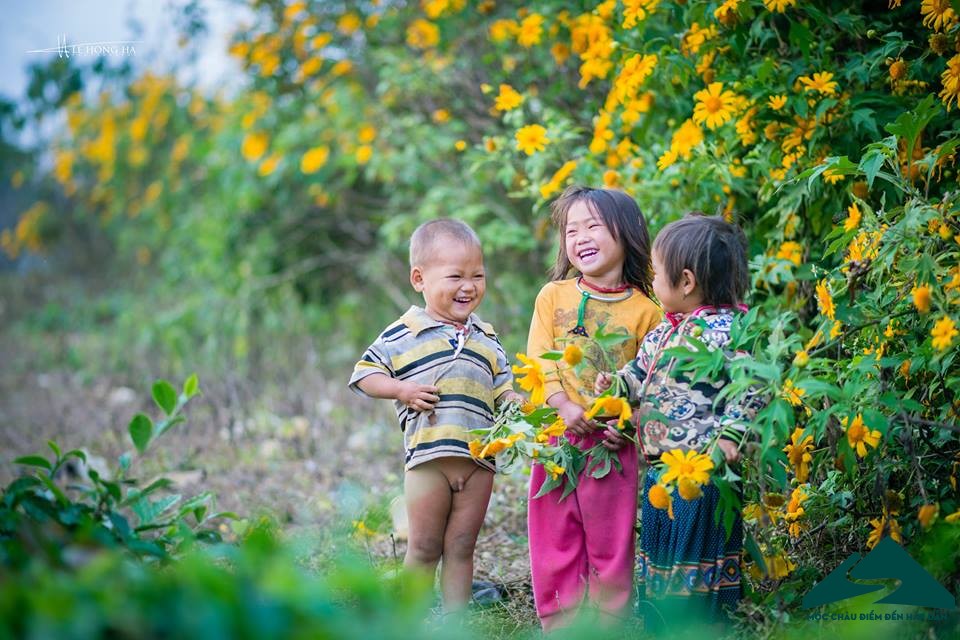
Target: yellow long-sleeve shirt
555, 314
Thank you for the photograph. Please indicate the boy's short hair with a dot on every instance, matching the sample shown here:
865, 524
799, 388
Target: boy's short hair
427, 234
714, 250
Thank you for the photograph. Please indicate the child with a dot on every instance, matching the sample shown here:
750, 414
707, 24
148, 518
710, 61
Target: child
585, 543
446, 371
700, 278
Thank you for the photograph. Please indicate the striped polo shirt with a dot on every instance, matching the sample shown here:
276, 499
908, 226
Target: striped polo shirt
469, 367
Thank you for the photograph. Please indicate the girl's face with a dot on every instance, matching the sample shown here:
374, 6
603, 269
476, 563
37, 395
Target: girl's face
672, 297
591, 248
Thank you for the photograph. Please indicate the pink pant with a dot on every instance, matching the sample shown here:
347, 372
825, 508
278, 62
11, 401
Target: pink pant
584, 543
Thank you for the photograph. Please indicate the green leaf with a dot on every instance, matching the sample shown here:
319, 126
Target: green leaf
165, 396
141, 429
191, 387
910, 123
35, 461
870, 164
552, 355
53, 446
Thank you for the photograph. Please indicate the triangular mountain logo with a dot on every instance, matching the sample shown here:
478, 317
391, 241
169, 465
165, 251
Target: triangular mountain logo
887, 560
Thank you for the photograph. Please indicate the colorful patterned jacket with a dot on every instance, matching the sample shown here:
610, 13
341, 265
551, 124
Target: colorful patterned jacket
693, 411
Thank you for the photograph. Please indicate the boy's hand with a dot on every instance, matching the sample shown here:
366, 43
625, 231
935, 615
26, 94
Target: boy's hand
730, 450
513, 397
419, 397
572, 414
602, 383
613, 437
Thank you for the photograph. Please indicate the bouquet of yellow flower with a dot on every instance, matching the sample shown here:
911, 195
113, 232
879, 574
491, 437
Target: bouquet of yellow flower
523, 433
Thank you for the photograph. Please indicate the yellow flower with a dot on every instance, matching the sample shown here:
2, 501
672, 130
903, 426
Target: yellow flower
367, 134
254, 146
610, 406
921, 298
793, 395
836, 329
364, 153
927, 513
560, 53
798, 452
825, 299
440, 116
361, 530
898, 70
422, 34
726, 13
779, 6
690, 465
269, 165
572, 355
882, 525
533, 379
688, 489
532, 138
860, 436
497, 445
635, 11
660, 498
500, 30
460, 145
348, 23
953, 517
795, 511
342, 67
943, 333
530, 30
554, 469
777, 102
821, 81
714, 105
938, 14
853, 218
791, 251
313, 159
557, 428
475, 448
556, 182
508, 99
950, 79
611, 179
778, 566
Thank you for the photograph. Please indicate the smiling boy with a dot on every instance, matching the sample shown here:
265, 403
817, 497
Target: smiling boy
446, 372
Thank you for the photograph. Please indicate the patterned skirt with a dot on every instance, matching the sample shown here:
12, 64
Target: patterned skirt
687, 568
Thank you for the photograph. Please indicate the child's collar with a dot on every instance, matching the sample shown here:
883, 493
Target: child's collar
418, 320
677, 317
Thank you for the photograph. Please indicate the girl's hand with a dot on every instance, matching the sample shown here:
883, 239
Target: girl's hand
613, 438
602, 383
730, 450
572, 414
419, 397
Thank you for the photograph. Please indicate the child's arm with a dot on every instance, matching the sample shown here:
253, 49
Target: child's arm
419, 397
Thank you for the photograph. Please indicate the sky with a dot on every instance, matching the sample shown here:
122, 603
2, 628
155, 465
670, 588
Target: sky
37, 24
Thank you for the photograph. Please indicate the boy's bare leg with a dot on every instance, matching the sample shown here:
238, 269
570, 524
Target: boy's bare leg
428, 498
471, 486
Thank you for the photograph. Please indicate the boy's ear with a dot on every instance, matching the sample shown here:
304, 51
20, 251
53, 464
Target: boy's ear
688, 282
416, 279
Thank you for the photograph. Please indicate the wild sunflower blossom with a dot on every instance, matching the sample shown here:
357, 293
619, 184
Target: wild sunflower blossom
798, 453
508, 98
822, 81
777, 102
556, 182
532, 138
859, 436
779, 6
943, 333
885, 524
610, 406
853, 217
530, 30
922, 298
688, 465
660, 498
792, 394
554, 469
572, 355
825, 300
950, 79
557, 428
938, 14
714, 105
635, 71
927, 513
635, 11
795, 511
532, 380
423, 34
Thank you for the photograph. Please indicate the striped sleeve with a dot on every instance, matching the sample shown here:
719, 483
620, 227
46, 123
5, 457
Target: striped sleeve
502, 374
376, 359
